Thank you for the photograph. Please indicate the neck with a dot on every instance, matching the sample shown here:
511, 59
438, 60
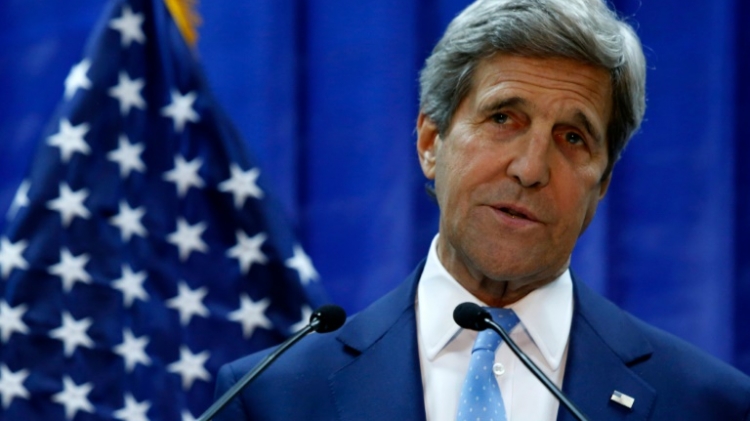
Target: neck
501, 293
501, 289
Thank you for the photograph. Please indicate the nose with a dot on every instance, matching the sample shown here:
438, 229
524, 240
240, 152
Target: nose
529, 165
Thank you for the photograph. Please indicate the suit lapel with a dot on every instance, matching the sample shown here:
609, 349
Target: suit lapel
383, 380
604, 348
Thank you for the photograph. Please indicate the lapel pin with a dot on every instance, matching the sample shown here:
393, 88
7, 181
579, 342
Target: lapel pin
622, 399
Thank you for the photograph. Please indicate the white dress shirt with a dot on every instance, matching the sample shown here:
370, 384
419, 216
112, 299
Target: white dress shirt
445, 349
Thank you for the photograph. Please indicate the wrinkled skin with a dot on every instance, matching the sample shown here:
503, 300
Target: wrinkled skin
519, 173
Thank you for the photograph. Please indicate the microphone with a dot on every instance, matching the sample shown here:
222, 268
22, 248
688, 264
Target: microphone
474, 317
326, 318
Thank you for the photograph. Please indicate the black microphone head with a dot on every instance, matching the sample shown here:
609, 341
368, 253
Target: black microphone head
329, 317
471, 316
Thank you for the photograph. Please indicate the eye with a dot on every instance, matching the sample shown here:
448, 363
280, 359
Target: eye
500, 118
573, 138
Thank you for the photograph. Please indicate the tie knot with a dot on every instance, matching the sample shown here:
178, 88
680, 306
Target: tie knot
488, 339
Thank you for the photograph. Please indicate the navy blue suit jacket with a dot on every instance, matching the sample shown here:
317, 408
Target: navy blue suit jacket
369, 370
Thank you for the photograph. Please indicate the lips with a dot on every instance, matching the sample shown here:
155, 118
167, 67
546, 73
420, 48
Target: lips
513, 213
516, 212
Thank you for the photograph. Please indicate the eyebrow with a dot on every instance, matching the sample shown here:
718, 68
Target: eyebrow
508, 102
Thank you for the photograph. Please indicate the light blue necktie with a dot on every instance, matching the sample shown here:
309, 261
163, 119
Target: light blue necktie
480, 397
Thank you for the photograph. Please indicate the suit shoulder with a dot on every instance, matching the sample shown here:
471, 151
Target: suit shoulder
691, 374
689, 359
301, 357
683, 377
295, 386
302, 383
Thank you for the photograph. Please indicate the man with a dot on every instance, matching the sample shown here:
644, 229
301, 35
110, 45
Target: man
525, 107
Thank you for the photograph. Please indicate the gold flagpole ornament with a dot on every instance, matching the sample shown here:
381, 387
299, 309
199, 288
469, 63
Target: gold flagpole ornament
186, 17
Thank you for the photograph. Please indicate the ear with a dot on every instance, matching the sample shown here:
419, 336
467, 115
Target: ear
428, 141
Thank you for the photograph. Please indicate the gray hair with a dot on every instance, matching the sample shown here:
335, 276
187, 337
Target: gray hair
582, 30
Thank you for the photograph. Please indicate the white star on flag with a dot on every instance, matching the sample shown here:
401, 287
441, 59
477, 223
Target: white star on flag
128, 93
127, 156
187, 238
185, 174
70, 204
130, 284
11, 256
251, 315
71, 269
303, 265
20, 199
133, 411
72, 333
188, 302
70, 139
133, 350
129, 27
139, 170
180, 110
247, 250
190, 367
304, 321
128, 220
74, 397
11, 320
11, 385
77, 78
242, 184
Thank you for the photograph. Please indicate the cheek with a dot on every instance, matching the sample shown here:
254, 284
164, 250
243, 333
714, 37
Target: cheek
450, 172
582, 211
470, 159
579, 197
590, 210
449, 179
459, 179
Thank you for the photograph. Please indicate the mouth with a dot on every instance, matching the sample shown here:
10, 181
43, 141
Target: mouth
515, 212
512, 213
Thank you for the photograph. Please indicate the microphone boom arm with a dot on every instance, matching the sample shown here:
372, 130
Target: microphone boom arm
255, 372
535, 370
314, 325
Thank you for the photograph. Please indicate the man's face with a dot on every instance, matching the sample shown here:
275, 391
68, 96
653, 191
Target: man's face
518, 174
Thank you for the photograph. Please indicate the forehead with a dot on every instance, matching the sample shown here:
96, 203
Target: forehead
544, 82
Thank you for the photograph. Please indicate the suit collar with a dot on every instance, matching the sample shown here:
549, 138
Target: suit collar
604, 346
613, 325
383, 380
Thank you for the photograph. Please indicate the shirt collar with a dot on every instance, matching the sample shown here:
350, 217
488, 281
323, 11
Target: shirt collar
546, 313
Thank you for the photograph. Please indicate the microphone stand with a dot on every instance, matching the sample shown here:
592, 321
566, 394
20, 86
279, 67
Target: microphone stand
535, 370
255, 372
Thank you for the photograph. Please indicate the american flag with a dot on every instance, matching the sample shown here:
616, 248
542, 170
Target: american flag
143, 250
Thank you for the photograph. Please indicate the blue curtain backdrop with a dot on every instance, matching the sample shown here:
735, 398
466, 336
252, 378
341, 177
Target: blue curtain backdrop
324, 93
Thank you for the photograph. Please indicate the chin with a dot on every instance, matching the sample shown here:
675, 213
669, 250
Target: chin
519, 266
